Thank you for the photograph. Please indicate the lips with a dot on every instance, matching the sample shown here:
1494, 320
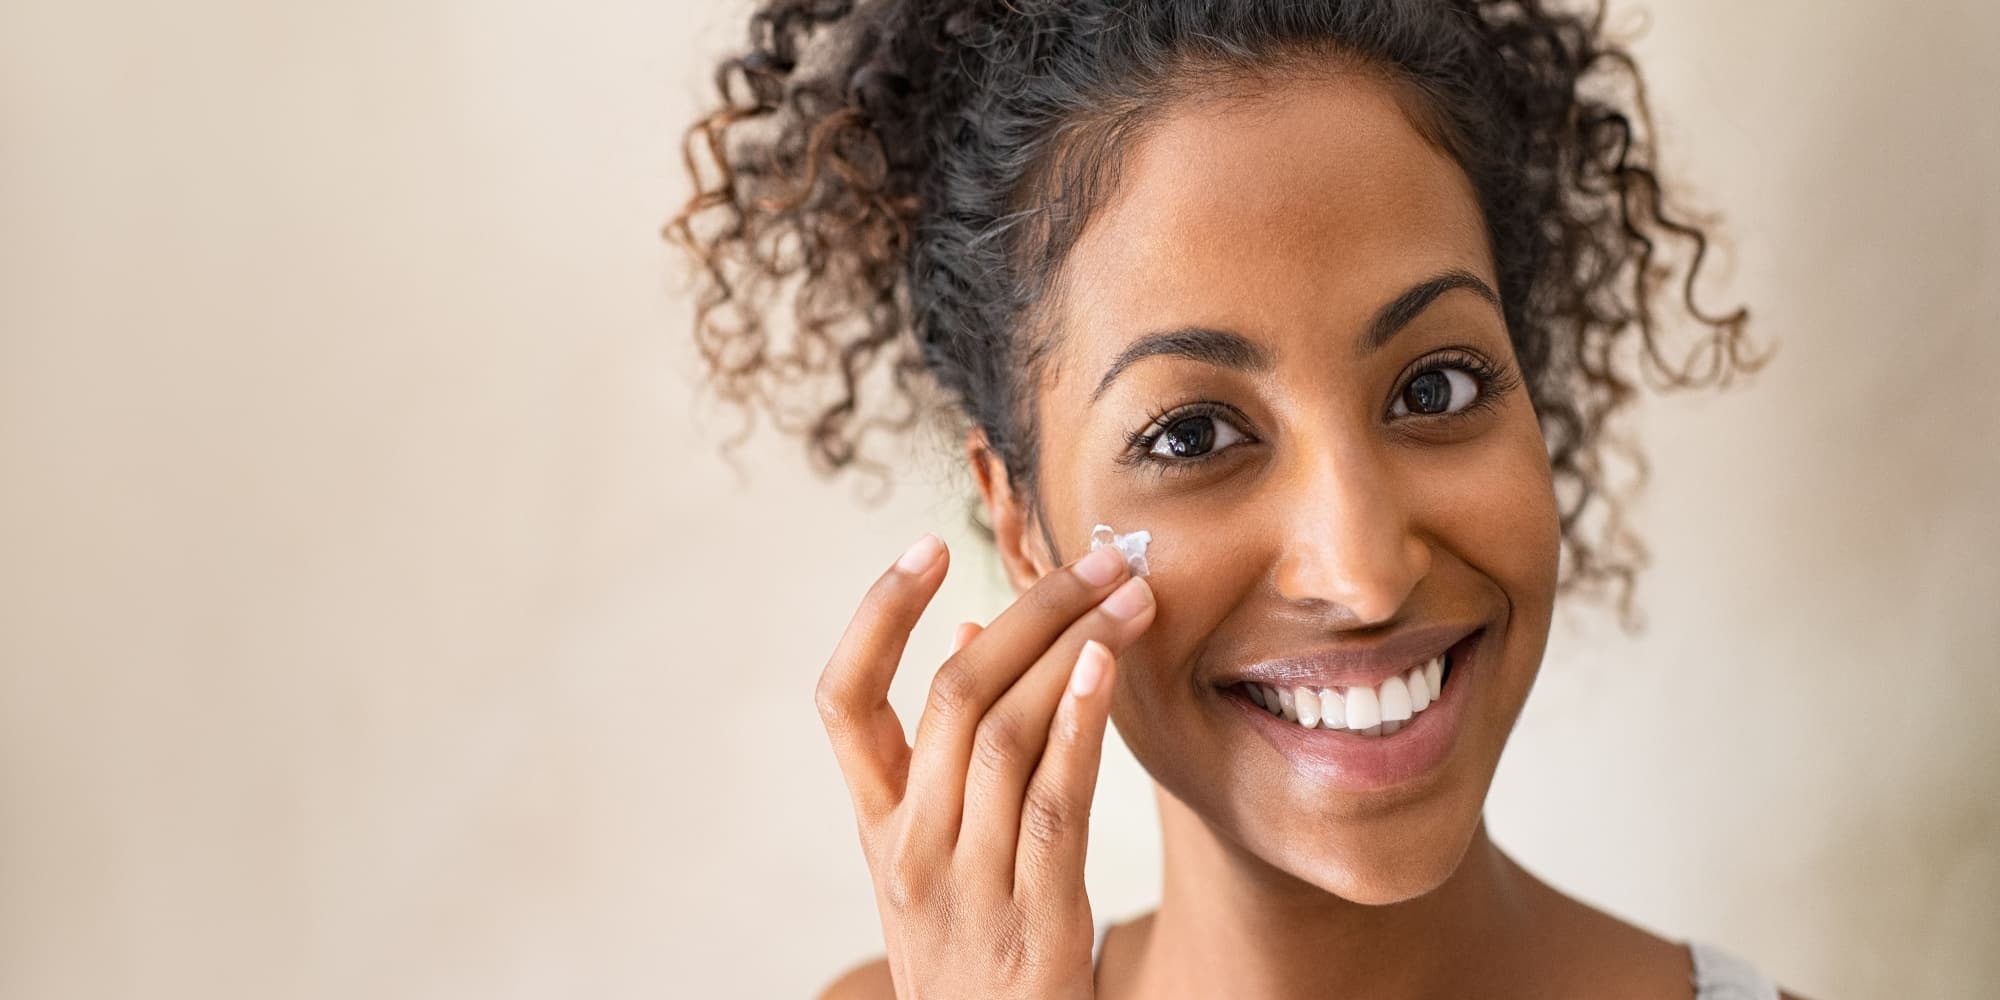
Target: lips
1377, 710
1350, 665
1347, 760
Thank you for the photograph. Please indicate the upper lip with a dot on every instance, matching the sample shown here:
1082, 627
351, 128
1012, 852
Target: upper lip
1351, 664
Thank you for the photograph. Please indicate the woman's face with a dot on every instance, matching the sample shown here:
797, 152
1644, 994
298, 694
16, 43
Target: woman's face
1240, 347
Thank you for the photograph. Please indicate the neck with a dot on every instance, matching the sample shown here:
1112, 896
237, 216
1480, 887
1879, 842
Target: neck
1229, 924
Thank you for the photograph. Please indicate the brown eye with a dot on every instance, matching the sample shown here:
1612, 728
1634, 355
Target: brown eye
1194, 437
1438, 391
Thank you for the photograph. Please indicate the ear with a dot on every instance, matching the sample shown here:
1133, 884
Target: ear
1016, 532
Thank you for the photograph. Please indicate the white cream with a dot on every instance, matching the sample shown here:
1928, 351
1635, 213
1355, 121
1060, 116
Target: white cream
1131, 545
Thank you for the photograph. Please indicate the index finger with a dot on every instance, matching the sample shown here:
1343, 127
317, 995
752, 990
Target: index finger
853, 692
975, 677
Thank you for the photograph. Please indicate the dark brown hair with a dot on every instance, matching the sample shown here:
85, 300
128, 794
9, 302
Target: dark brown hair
908, 175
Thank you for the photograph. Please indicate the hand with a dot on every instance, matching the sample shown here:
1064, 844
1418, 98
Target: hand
975, 837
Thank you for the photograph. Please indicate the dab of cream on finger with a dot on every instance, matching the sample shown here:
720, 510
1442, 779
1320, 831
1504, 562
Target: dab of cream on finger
1131, 545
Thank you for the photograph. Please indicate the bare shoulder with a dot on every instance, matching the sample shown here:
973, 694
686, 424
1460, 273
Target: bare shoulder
867, 981
1617, 957
1592, 953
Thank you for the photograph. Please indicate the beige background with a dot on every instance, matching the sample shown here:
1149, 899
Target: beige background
377, 617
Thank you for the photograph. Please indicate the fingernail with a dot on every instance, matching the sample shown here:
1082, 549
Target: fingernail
1089, 672
921, 555
1100, 567
1127, 601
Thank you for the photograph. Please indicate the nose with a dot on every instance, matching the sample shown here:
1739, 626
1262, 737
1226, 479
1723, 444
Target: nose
1349, 538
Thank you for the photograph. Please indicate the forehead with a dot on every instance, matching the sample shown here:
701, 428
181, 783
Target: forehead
1289, 215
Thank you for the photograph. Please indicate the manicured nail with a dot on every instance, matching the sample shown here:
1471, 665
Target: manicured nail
1100, 567
1089, 671
921, 556
1127, 601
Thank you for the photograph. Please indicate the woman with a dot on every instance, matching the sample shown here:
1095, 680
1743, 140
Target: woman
1333, 299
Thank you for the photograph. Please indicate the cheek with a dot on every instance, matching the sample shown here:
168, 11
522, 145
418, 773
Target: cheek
1492, 512
1492, 506
1198, 576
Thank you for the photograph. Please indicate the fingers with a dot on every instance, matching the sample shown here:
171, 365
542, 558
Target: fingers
853, 692
963, 634
1055, 814
1013, 737
975, 677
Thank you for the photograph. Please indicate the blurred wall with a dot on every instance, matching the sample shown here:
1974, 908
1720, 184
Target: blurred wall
378, 616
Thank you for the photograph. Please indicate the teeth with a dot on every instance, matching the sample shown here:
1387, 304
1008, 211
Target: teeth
1364, 708
1306, 701
1332, 713
1395, 697
1381, 710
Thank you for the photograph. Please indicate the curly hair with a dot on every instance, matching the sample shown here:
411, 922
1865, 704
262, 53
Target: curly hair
909, 175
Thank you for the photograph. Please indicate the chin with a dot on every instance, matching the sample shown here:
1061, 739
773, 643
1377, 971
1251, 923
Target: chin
1378, 871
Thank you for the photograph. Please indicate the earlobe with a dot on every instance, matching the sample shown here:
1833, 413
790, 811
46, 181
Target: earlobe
1015, 532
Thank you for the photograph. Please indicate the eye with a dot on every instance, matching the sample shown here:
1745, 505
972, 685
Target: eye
1437, 391
1194, 436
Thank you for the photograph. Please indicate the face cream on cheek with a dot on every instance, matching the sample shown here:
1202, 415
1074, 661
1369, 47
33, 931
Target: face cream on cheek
1132, 546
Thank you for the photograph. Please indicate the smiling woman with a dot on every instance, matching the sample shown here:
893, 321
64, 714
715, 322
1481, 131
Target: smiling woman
1335, 300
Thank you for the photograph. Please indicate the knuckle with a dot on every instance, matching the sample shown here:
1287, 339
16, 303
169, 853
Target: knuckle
955, 689
998, 742
1017, 954
1046, 819
830, 699
906, 884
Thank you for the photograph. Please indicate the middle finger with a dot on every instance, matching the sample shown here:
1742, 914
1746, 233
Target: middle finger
976, 676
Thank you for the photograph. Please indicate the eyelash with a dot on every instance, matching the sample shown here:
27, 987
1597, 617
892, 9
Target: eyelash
1493, 381
1139, 446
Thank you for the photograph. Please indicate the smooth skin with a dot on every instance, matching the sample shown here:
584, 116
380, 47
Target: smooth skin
978, 833
1302, 493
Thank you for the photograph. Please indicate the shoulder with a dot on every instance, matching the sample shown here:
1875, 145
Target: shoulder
867, 981
1583, 951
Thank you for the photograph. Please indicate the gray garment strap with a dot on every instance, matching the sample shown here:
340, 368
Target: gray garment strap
1719, 975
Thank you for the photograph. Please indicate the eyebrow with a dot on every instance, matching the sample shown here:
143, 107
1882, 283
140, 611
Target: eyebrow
1392, 318
1224, 349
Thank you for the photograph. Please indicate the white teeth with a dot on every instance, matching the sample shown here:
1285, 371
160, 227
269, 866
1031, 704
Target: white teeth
1364, 708
1306, 702
1395, 696
1382, 709
1420, 691
1332, 714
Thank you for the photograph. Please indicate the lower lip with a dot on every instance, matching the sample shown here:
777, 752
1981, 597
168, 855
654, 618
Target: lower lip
1351, 762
